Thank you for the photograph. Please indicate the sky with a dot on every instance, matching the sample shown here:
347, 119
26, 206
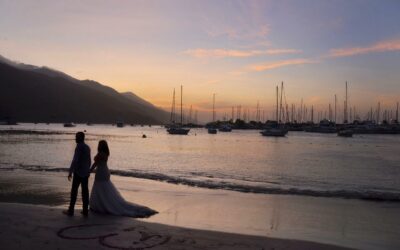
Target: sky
239, 50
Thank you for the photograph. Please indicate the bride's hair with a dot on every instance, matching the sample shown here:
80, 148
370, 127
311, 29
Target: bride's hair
103, 147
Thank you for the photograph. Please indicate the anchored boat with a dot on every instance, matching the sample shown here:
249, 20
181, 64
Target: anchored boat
177, 129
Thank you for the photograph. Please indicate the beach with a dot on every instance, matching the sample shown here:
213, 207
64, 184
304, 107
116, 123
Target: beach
213, 219
41, 227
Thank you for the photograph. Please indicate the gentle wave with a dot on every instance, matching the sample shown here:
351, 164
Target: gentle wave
348, 194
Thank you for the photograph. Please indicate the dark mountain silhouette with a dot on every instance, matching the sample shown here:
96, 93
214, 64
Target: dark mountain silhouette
137, 99
40, 94
45, 70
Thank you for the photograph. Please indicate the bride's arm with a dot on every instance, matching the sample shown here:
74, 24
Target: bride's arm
94, 165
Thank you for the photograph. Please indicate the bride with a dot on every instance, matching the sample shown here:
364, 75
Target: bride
104, 197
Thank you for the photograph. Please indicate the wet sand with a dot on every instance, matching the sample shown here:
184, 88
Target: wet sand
40, 227
346, 223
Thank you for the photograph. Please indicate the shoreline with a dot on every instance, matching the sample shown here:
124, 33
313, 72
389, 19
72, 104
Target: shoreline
371, 196
340, 222
42, 227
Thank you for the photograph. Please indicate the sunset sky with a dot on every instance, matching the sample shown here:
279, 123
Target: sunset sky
239, 50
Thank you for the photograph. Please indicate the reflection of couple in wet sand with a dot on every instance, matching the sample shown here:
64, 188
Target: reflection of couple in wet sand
104, 197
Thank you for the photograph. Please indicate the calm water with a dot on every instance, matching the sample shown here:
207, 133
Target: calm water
362, 167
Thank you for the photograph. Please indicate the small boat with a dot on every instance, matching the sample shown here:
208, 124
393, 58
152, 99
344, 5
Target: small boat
69, 125
276, 132
346, 133
178, 130
8, 122
225, 128
212, 131
120, 124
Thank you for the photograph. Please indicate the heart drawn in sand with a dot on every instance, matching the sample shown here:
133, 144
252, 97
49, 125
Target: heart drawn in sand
109, 235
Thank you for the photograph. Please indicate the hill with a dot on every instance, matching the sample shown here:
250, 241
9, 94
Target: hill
40, 94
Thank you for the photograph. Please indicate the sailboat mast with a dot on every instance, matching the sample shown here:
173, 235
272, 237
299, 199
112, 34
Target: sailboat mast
277, 94
280, 104
292, 114
181, 106
213, 107
312, 114
335, 107
190, 115
397, 112
287, 112
329, 112
378, 113
371, 115
173, 108
301, 111
345, 107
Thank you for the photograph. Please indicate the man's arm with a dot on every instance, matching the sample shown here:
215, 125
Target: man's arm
90, 157
74, 162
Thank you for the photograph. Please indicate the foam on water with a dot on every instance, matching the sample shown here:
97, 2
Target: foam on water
372, 195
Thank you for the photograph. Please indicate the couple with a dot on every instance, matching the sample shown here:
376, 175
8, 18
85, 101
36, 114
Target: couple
104, 197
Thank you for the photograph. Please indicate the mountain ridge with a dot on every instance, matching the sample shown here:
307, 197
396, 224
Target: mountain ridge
40, 94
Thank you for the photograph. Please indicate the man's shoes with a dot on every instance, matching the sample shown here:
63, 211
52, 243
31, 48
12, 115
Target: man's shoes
85, 213
68, 213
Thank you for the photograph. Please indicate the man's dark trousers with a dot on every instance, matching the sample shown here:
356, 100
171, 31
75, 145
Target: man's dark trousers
83, 181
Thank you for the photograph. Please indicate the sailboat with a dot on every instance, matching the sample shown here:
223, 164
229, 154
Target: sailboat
177, 129
69, 125
120, 124
276, 129
212, 129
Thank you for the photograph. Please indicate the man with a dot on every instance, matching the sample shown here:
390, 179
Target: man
80, 170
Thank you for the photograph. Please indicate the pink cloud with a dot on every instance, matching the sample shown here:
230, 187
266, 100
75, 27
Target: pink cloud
383, 46
279, 64
220, 53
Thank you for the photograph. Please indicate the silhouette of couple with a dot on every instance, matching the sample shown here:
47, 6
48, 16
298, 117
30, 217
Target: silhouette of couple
104, 197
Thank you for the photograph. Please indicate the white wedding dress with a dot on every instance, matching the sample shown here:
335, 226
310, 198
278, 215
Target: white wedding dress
105, 198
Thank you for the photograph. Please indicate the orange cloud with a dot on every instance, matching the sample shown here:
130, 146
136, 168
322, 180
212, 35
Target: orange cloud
383, 46
220, 53
279, 64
